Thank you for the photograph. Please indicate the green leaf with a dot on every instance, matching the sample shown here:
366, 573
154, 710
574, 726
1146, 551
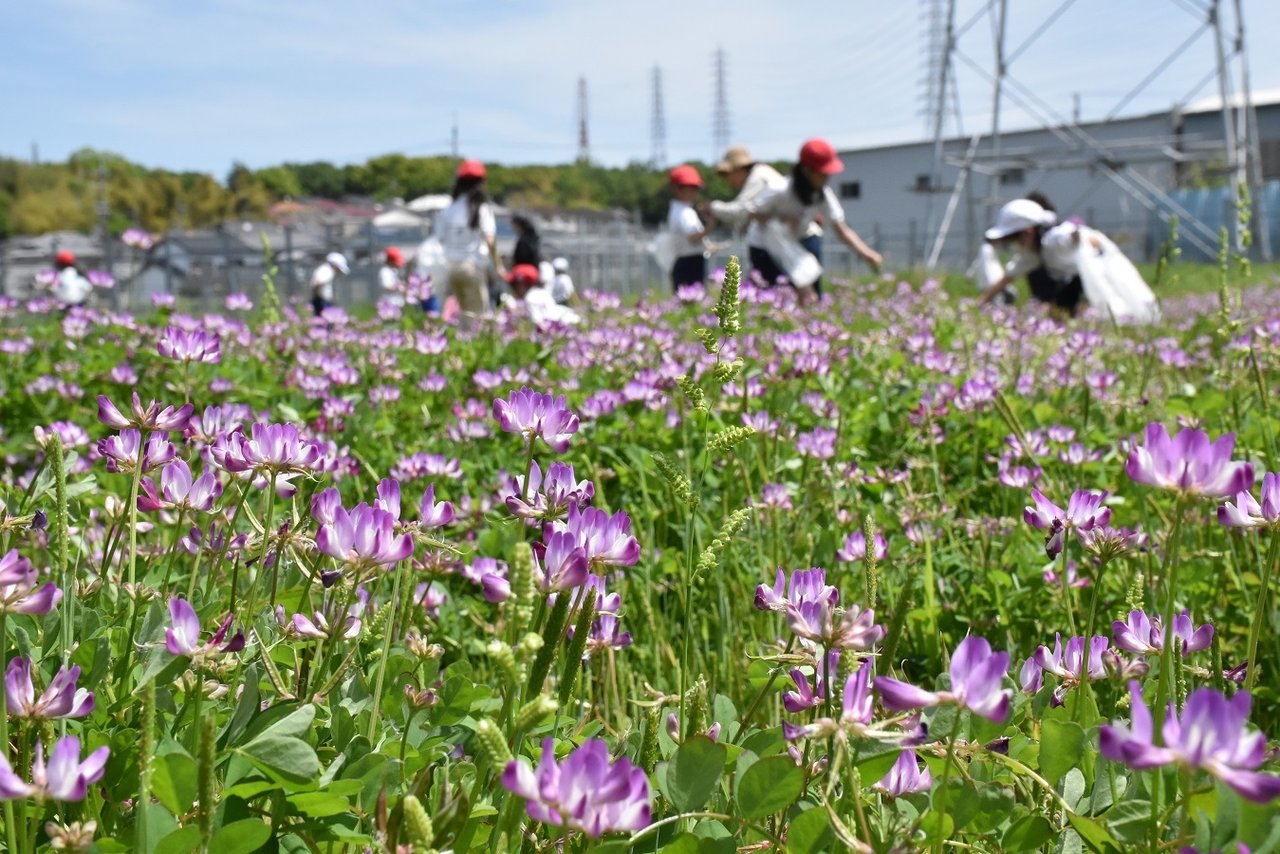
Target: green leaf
173, 782
769, 786
994, 804
1033, 831
240, 837
810, 831
289, 758
694, 772
184, 840
1061, 748
1129, 820
873, 759
298, 723
1093, 834
958, 800
320, 804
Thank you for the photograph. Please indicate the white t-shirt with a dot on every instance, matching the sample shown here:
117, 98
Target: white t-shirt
71, 287
684, 223
460, 241
389, 280
322, 282
785, 205
1057, 253
762, 180
562, 288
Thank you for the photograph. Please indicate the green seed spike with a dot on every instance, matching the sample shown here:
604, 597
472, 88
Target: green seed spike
675, 479
535, 711
649, 741
491, 746
870, 566
523, 591
730, 437
695, 700
418, 825
727, 305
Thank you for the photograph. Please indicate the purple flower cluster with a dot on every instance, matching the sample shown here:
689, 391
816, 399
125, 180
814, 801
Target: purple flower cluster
584, 790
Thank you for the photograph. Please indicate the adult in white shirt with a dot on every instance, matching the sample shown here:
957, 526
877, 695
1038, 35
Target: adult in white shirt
688, 234
753, 181
807, 201
467, 231
70, 287
389, 276
561, 281
534, 299
1043, 253
322, 294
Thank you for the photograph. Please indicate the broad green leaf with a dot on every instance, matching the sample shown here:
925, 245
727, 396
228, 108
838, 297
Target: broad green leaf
184, 840
769, 786
810, 831
298, 723
1093, 834
694, 773
283, 756
320, 804
958, 800
173, 781
1062, 746
1028, 833
240, 837
1129, 820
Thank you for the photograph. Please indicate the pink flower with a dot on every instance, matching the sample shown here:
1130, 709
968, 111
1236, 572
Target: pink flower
148, 418
1188, 463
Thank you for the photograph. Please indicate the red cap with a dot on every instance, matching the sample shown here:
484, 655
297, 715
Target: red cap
471, 169
65, 258
684, 176
818, 155
524, 274
394, 257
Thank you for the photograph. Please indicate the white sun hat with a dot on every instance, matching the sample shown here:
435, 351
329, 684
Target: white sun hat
1017, 215
338, 261
560, 265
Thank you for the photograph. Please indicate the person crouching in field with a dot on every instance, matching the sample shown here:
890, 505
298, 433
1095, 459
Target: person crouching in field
528, 295
389, 276
688, 234
70, 287
753, 181
807, 198
1043, 253
322, 294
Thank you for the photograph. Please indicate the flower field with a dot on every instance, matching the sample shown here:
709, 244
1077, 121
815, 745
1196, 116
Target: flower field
707, 574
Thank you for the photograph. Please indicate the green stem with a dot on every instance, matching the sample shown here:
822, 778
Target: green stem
1260, 611
946, 769
387, 633
10, 828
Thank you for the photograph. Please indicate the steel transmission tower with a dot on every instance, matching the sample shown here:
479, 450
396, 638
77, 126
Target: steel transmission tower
720, 130
584, 141
658, 125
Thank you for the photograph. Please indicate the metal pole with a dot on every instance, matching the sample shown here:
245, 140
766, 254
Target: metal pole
1234, 162
940, 108
993, 180
1251, 135
288, 261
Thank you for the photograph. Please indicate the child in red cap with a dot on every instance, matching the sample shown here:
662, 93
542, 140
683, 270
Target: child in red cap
535, 300
389, 276
467, 231
688, 234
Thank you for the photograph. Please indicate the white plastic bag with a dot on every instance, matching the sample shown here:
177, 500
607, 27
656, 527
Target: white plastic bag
800, 265
663, 249
1112, 285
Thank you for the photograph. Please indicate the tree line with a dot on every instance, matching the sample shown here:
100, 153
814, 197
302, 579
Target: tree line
36, 198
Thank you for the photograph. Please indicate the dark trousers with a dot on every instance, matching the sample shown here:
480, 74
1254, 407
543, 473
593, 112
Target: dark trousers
319, 304
762, 263
689, 270
814, 244
1066, 295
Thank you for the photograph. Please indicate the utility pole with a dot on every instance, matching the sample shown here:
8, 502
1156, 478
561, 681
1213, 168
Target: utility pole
453, 137
584, 142
658, 125
720, 130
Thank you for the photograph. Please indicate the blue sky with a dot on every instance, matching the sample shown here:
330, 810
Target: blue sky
198, 85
